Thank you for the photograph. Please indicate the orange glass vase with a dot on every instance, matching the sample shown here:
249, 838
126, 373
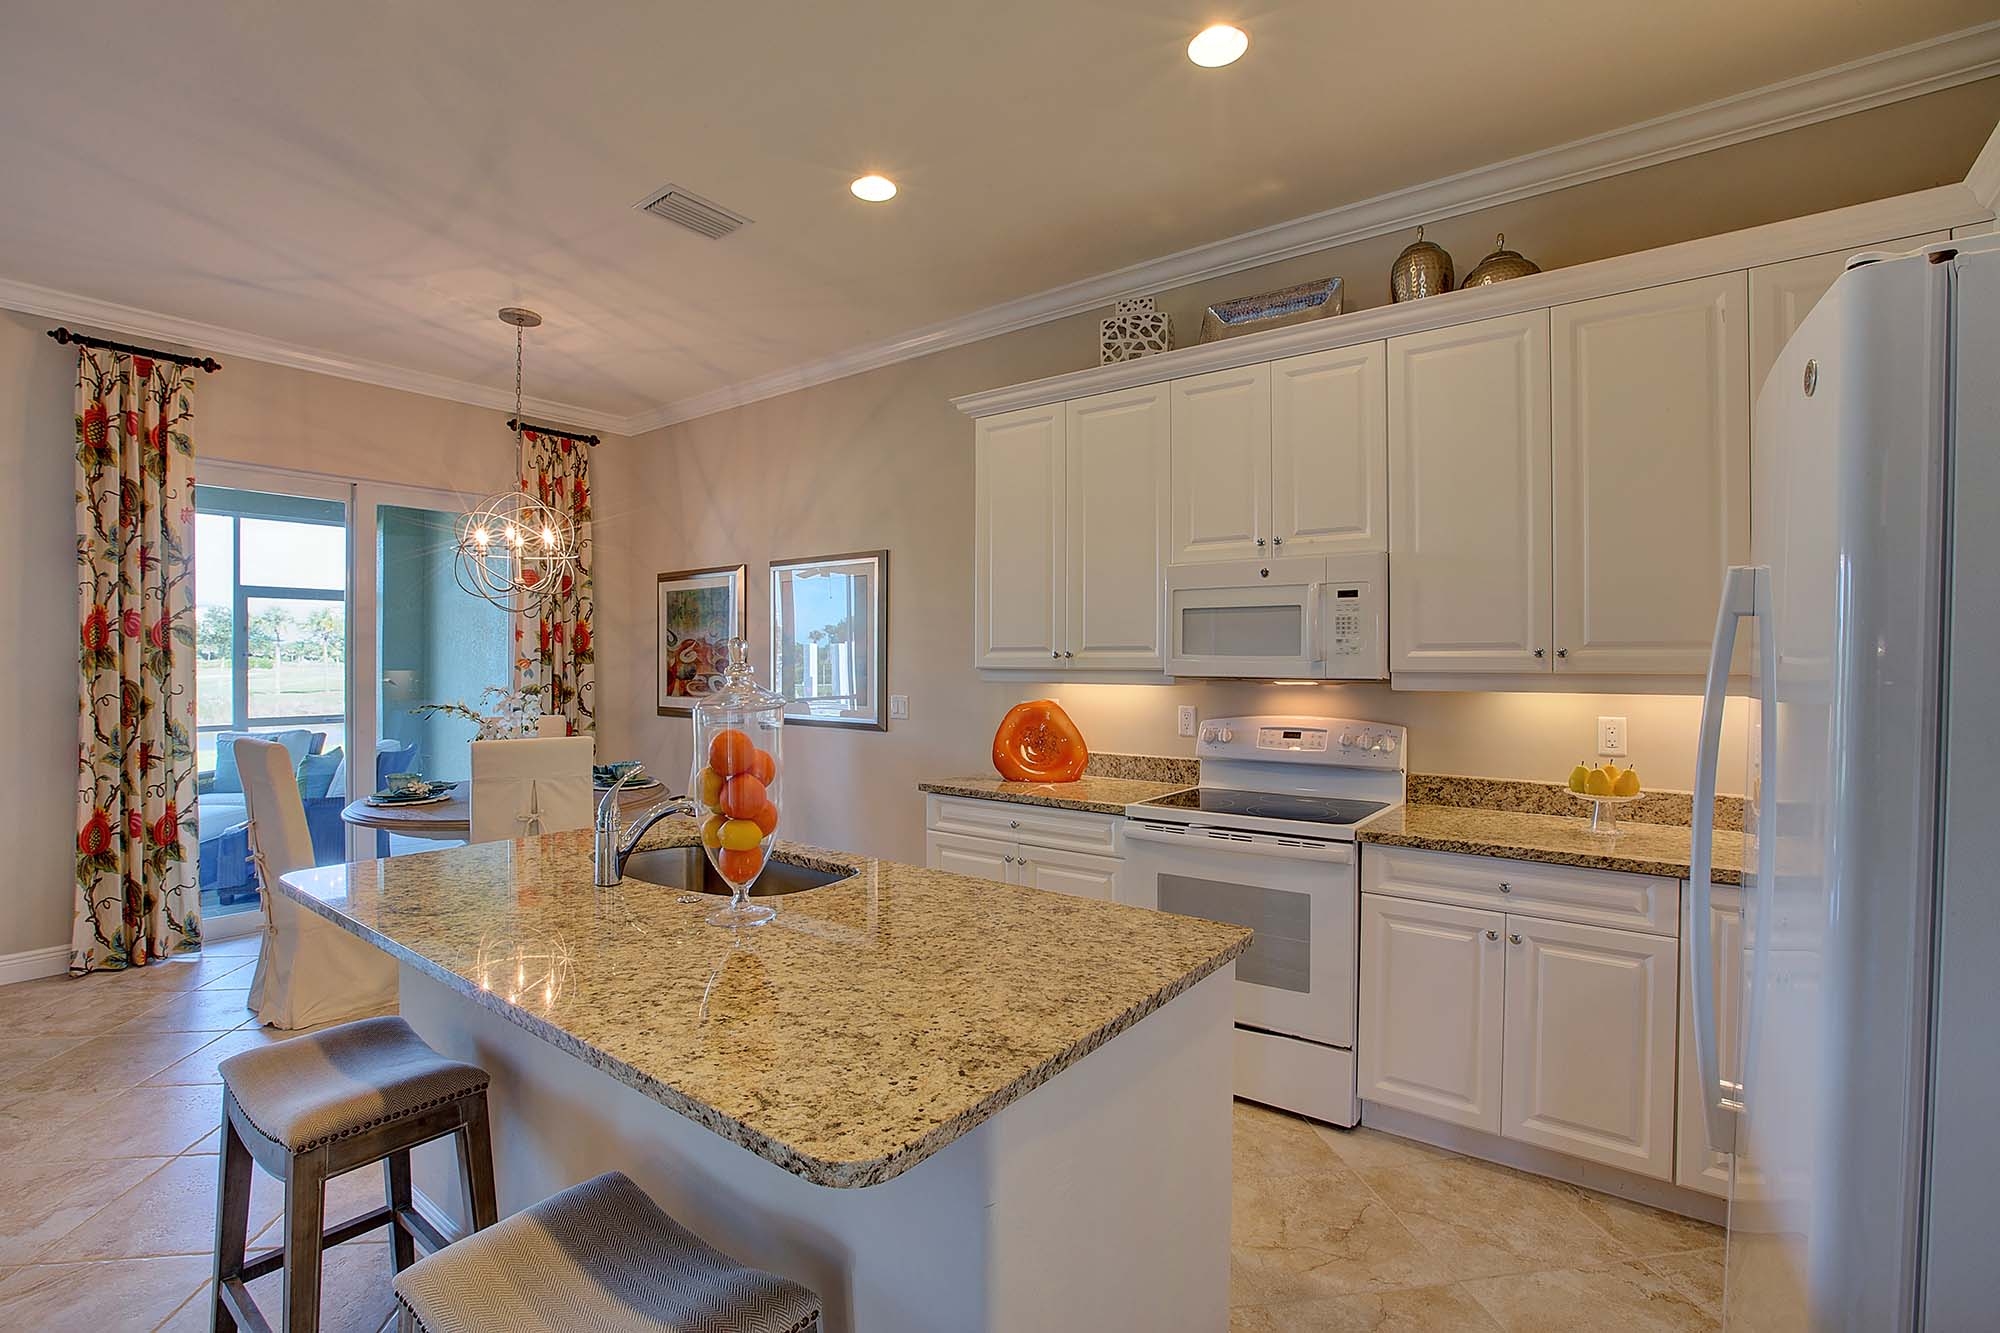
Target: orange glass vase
1037, 742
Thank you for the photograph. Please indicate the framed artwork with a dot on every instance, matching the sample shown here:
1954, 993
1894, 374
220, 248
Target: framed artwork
700, 611
830, 639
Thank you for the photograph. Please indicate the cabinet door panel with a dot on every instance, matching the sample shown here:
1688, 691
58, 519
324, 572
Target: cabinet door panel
1221, 464
1329, 451
1469, 497
1782, 295
1431, 1004
1018, 554
986, 858
1696, 1165
1119, 447
1590, 1043
1651, 425
1068, 872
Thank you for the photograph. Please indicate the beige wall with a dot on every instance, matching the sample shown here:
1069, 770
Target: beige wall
882, 460
248, 413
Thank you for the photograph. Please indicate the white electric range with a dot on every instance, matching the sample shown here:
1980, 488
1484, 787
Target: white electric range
1267, 841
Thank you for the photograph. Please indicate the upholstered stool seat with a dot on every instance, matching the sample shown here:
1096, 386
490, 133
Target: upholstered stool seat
599, 1257
315, 1106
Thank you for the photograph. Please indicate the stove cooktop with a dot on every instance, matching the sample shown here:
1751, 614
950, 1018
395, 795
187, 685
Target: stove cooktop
1268, 805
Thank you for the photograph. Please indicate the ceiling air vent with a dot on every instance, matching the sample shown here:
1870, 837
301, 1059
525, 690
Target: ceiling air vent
689, 210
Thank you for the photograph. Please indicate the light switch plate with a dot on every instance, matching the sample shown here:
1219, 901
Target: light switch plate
1611, 737
1187, 719
899, 707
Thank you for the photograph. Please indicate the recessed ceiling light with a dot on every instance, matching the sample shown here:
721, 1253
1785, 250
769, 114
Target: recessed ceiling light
875, 189
1218, 45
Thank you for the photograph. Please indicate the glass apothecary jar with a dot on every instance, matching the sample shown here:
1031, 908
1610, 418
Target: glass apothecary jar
737, 780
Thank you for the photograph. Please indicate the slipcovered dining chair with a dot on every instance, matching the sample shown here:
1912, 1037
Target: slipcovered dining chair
308, 971
521, 788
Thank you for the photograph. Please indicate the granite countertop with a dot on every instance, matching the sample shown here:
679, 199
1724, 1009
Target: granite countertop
1637, 848
874, 1021
1104, 796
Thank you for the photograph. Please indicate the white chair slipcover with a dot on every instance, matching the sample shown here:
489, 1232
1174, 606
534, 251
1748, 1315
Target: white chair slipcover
521, 788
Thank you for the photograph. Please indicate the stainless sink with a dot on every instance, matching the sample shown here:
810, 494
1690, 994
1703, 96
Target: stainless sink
688, 868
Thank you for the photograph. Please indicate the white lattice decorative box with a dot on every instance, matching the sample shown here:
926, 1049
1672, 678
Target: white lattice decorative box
1134, 330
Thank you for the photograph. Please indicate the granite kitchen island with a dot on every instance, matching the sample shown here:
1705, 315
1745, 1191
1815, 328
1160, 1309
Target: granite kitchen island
944, 1103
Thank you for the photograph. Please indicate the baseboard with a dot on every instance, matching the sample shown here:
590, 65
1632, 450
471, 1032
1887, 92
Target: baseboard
440, 1217
1542, 1162
34, 964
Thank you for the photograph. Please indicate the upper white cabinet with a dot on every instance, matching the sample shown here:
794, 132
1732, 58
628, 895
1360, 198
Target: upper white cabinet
1019, 569
1469, 545
1651, 432
1782, 295
1221, 464
1117, 486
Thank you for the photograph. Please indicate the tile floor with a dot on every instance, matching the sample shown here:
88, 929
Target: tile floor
109, 1102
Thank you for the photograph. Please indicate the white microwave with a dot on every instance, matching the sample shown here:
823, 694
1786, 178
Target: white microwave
1293, 618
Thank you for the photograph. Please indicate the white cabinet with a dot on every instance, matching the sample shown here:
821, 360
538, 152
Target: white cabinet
1431, 1009
1589, 1047
986, 858
1068, 567
1076, 873
1650, 424
1040, 847
1019, 532
1698, 1167
1782, 295
1469, 529
1117, 486
1221, 464
1287, 458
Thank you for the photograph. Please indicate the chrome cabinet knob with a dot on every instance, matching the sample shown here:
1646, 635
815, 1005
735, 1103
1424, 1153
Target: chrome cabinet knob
1277, 541
1492, 934
1068, 653
1541, 652
1013, 823
1513, 938
1053, 652
1562, 652
1008, 859
1505, 887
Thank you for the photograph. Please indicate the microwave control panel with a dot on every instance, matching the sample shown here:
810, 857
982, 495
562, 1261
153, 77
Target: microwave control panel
1356, 593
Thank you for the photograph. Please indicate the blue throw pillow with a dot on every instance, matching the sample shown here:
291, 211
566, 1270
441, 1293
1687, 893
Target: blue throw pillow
296, 743
316, 774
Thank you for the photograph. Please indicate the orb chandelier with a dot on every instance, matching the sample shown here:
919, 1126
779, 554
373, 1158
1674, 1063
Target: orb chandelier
514, 550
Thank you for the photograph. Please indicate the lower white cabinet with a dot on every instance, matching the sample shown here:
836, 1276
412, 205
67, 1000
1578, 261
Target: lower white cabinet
1589, 1045
987, 858
1699, 1167
1431, 997
1067, 872
1034, 846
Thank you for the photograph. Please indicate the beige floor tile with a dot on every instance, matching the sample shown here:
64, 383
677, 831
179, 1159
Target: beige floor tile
125, 1296
21, 1055
179, 973
1301, 1236
230, 973
1267, 1143
42, 1200
172, 1211
1481, 1220
355, 1291
1363, 1149
84, 1007
237, 946
115, 1060
208, 1009
212, 1143
202, 1066
1440, 1309
1628, 1296
1696, 1275
1643, 1230
137, 1122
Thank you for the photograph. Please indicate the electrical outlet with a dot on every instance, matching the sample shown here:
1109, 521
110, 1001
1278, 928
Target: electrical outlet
1187, 719
899, 707
1611, 737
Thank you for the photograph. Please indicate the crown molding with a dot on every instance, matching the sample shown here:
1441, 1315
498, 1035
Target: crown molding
1877, 80
193, 335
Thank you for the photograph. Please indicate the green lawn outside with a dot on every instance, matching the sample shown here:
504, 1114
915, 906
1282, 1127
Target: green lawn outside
293, 689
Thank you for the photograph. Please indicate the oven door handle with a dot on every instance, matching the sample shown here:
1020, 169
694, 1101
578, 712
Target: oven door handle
1202, 837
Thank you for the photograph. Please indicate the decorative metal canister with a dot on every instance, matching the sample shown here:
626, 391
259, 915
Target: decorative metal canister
1423, 269
1501, 265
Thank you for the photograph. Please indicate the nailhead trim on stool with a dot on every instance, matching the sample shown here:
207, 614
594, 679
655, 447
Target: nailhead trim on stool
599, 1257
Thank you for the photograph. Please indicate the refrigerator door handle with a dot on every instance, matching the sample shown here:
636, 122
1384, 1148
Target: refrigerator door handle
1740, 601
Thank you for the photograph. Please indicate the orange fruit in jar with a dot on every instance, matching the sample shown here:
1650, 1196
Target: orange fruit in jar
740, 867
740, 835
729, 753
711, 831
709, 787
763, 766
767, 818
743, 796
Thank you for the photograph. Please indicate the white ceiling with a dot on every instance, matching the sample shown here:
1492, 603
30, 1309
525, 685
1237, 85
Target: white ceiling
372, 179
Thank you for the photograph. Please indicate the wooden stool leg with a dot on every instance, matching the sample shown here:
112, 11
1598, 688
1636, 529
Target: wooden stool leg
232, 1219
305, 1225
402, 1246
475, 1167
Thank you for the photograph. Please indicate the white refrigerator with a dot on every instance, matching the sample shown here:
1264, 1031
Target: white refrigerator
1865, 1128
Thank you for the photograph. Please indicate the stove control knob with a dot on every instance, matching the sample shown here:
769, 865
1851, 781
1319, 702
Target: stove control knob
1347, 740
1208, 735
1226, 735
1388, 743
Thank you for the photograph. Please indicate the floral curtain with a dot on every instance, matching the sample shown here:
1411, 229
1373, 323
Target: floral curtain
561, 655
137, 897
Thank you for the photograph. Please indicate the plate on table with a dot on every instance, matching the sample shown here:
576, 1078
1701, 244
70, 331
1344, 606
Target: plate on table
635, 784
384, 802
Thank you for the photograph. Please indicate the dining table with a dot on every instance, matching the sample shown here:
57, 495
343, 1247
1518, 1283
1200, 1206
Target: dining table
450, 820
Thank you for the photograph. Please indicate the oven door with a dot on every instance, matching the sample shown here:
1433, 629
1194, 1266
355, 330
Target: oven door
1298, 894
1251, 618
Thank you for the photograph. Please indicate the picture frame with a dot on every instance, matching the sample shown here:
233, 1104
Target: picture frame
696, 613
830, 639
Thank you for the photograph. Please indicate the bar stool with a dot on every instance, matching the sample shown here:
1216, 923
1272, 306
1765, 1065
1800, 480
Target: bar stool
599, 1256
315, 1106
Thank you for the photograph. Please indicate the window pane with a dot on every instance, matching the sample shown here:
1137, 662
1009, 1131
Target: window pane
214, 611
294, 555
298, 657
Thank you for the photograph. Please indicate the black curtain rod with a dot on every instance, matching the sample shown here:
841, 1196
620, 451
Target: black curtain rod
514, 424
65, 337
